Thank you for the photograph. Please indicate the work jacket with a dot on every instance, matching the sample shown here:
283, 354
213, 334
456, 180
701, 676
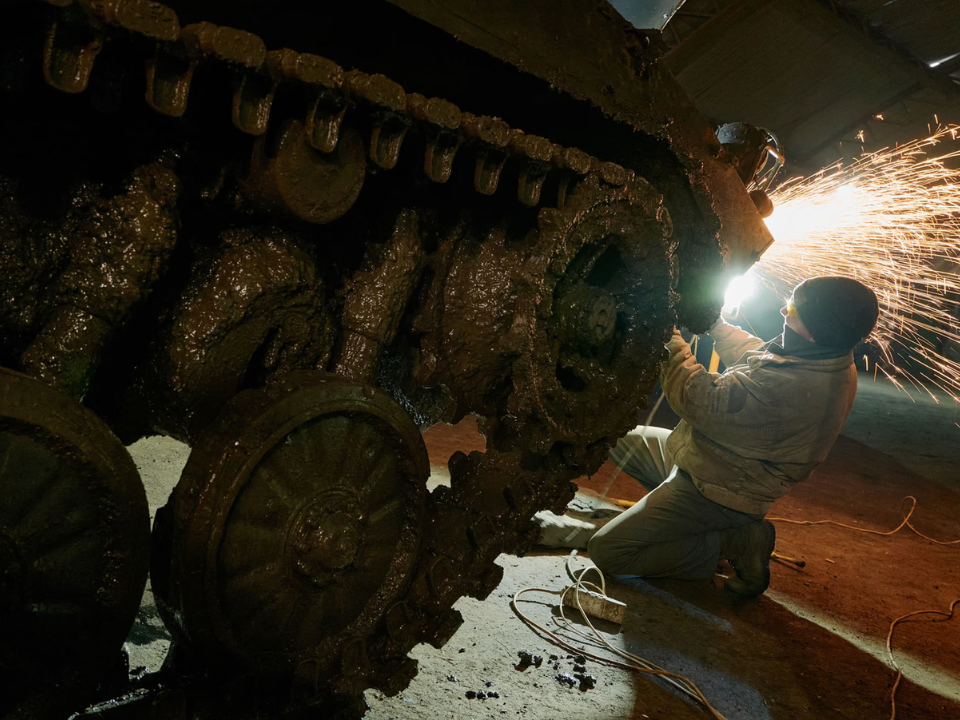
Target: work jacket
749, 434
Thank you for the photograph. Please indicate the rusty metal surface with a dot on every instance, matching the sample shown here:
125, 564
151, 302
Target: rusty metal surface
426, 226
74, 538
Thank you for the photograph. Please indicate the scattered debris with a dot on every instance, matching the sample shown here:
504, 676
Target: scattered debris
453, 678
587, 682
488, 683
482, 695
527, 659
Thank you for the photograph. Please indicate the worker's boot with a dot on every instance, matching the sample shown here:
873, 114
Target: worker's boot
748, 548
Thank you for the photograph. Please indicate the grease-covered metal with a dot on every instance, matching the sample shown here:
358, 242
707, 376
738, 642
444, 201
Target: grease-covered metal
511, 321
255, 308
222, 234
74, 533
105, 264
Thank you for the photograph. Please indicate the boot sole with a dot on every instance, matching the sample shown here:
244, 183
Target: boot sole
747, 588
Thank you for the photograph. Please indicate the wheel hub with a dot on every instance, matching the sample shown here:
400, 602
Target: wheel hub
588, 315
327, 537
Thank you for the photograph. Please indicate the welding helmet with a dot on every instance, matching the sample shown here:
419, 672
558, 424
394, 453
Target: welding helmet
837, 311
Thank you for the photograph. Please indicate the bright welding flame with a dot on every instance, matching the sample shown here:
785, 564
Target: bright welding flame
891, 220
740, 289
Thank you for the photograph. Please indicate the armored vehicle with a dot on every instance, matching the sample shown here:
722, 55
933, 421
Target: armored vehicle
294, 236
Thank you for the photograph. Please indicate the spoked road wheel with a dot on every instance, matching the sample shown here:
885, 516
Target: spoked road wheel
296, 523
74, 544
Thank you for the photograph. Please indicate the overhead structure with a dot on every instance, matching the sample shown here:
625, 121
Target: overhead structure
894, 70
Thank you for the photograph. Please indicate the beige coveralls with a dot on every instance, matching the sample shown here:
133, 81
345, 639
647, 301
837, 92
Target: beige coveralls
746, 436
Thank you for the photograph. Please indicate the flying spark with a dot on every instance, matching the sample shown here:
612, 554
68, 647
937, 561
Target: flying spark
891, 219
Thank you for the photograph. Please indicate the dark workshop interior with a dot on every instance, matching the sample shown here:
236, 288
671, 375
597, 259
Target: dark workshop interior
318, 323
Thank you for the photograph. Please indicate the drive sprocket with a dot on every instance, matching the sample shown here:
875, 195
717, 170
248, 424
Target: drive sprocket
596, 300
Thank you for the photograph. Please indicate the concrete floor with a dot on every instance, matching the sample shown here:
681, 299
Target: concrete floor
812, 647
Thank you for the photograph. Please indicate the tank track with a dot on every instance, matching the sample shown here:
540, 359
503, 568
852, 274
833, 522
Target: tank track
81, 30
494, 494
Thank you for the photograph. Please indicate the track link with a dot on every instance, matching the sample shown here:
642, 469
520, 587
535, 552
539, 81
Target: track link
174, 56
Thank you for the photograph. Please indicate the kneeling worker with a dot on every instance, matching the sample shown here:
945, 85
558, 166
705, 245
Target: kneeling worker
746, 436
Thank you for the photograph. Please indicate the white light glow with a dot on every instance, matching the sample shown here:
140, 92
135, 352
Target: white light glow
740, 289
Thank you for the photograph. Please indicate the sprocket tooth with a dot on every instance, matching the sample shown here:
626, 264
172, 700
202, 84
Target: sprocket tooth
395, 676
459, 467
386, 137
527, 537
403, 627
356, 669
347, 708
442, 576
483, 537
444, 627
488, 582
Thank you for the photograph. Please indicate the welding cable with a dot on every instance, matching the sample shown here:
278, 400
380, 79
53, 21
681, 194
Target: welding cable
634, 662
945, 616
906, 523
681, 683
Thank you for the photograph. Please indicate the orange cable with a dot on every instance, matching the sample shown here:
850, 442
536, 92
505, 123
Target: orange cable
906, 523
946, 616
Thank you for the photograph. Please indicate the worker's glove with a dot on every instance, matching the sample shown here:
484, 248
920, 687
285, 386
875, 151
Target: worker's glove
677, 343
